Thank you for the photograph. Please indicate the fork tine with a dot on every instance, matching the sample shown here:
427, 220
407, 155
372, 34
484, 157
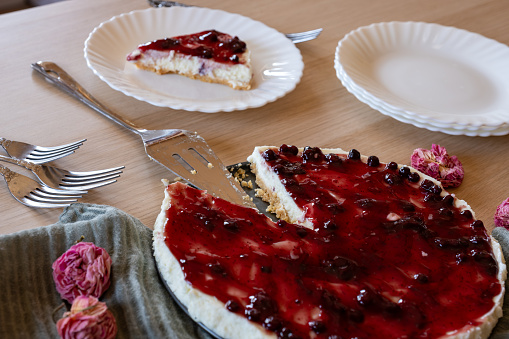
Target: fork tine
75, 144
116, 170
54, 191
70, 186
36, 196
98, 177
39, 160
27, 201
314, 32
79, 182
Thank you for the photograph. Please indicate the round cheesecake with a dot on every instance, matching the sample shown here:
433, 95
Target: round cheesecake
363, 249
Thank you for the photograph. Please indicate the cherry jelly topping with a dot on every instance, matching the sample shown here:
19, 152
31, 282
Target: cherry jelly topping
210, 44
386, 258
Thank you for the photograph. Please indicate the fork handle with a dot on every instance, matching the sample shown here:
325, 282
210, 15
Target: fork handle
57, 76
18, 162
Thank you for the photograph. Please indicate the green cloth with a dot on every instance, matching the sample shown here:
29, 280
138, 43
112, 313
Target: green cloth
137, 298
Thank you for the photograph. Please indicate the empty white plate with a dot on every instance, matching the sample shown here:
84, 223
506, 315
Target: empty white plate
437, 75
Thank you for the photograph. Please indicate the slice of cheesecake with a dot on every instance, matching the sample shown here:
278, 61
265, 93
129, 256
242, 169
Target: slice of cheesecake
209, 56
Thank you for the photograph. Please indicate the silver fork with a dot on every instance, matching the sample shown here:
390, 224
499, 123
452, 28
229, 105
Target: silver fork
294, 37
38, 154
31, 193
66, 180
184, 153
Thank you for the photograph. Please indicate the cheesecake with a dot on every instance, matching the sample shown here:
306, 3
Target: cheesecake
209, 56
361, 249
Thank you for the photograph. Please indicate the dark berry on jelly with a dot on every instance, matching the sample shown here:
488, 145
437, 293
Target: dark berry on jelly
436, 189
355, 316
407, 206
333, 159
231, 225
365, 203
281, 223
317, 326
446, 213
366, 297
232, 306
414, 177
392, 166
302, 232
330, 225
312, 154
169, 43
279, 169
421, 277
373, 161
340, 267
477, 224
252, 314
234, 58
269, 155
448, 200
461, 258
272, 323
354, 154
288, 149
404, 171
217, 268
392, 309
209, 36
392, 179
429, 197
477, 241
427, 185
335, 208
266, 269
286, 333
466, 214
204, 52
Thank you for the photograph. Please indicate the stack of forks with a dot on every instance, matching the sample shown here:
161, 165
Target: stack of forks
55, 187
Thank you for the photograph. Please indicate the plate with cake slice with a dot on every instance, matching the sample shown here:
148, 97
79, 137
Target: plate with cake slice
194, 59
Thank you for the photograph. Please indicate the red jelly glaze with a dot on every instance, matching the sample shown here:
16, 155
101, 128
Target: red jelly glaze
357, 274
210, 44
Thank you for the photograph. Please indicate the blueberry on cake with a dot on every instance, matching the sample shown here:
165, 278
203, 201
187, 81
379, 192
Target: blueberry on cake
209, 56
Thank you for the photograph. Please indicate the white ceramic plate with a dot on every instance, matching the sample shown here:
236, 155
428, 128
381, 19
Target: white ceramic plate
276, 62
451, 130
432, 73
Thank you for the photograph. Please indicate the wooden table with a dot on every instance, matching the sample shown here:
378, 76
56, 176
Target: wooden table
319, 112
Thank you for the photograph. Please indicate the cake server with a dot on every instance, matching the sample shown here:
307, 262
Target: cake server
184, 153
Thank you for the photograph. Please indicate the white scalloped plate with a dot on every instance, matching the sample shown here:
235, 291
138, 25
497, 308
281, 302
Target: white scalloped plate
431, 73
276, 62
451, 130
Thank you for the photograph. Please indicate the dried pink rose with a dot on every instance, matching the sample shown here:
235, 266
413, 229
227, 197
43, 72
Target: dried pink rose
502, 214
88, 318
84, 269
439, 165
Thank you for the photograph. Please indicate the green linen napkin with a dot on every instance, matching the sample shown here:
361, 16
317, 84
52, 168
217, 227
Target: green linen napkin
142, 306
137, 298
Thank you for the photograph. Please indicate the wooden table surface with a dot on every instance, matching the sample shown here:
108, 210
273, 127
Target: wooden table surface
319, 112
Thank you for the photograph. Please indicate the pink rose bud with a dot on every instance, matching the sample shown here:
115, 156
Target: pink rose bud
502, 214
89, 318
439, 165
83, 270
